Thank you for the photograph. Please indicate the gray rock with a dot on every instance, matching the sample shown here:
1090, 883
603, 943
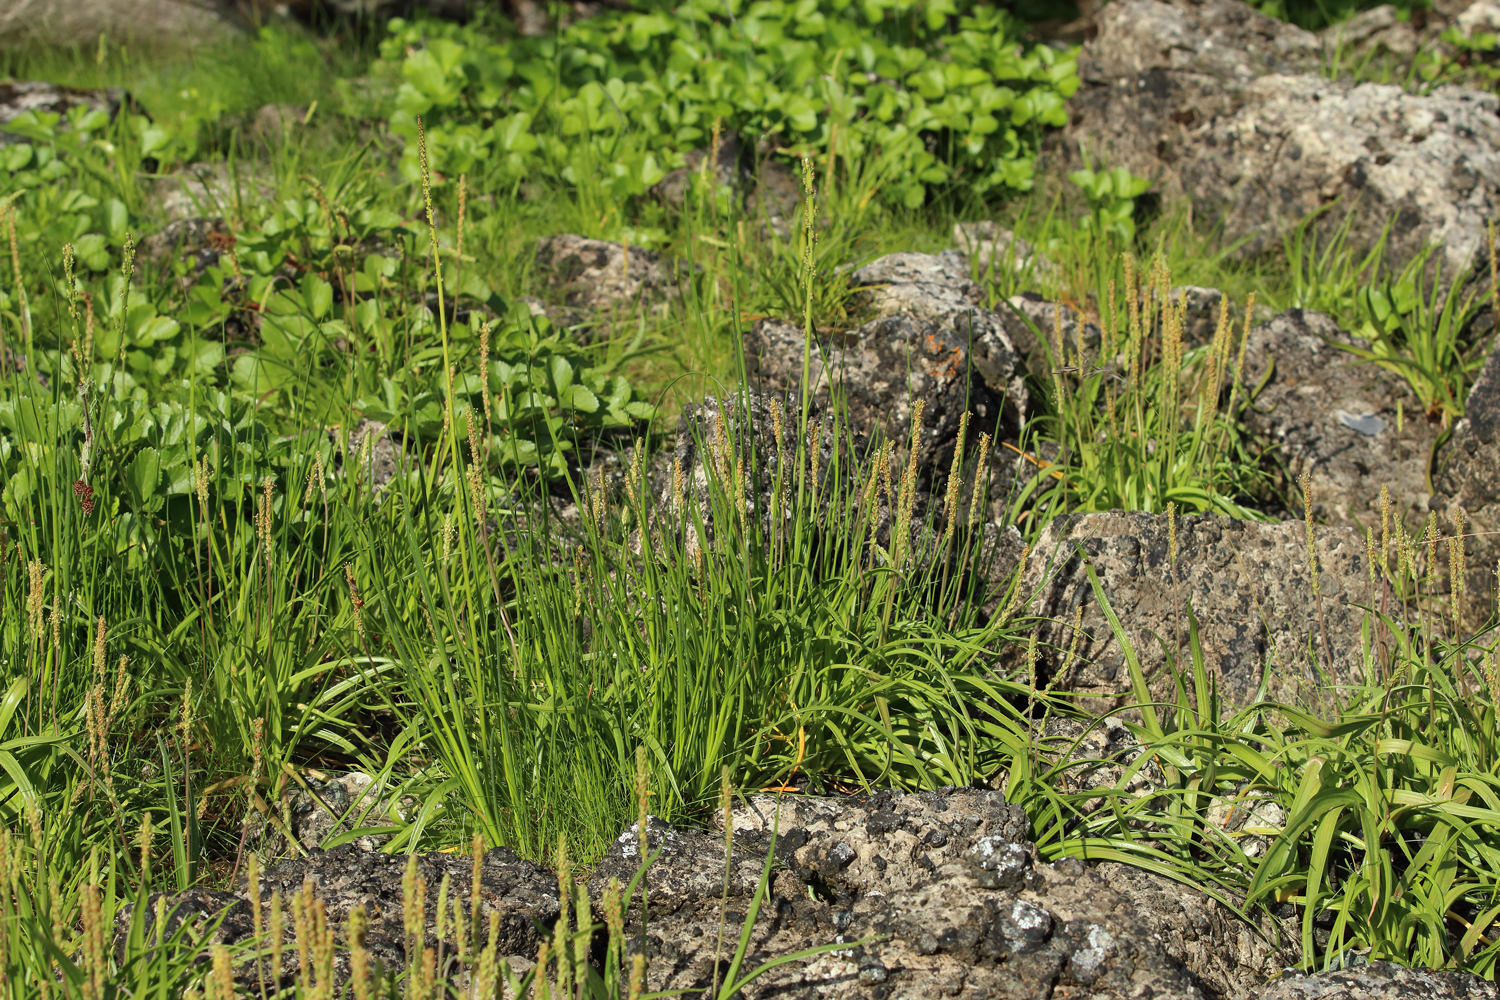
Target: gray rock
146, 24
1467, 479
918, 284
1248, 584
997, 252
932, 342
374, 454
20, 96
893, 875
597, 275
1224, 106
743, 444
342, 803
1329, 414
522, 893
964, 363
725, 171
1380, 981
210, 190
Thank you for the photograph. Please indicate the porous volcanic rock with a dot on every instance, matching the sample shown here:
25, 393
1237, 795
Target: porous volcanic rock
598, 275
209, 190
1248, 583
1334, 416
1380, 981
996, 251
932, 342
745, 442
1468, 480
1223, 105
522, 893
935, 893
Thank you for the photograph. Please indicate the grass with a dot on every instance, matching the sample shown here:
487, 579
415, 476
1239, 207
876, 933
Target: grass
205, 598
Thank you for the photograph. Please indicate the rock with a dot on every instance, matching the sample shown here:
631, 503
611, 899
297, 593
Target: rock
274, 124
725, 171
996, 251
596, 275
1371, 33
1334, 416
776, 196
197, 240
208, 190
918, 284
744, 443
1380, 981
1248, 584
17, 97
343, 803
198, 906
900, 877
963, 363
1467, 479
374, 452
1224, 106
522, 893
142, 24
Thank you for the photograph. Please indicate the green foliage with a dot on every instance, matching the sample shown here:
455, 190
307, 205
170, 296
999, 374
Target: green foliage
1376, 829
1111, 196
625, 94
1143, 420
1416, 324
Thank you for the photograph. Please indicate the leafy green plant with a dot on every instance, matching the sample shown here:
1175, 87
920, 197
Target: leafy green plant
621, 96
1112, 198
1419, 333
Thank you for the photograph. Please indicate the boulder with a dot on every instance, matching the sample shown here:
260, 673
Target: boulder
1467, 479
881, 367
1329, 414
149, 24
209, 190
930, 341
924, 893
935, 893
744, 443
598, 275
1248, 583
725, 171
999, 253
522, 893
1225, 107
20, 96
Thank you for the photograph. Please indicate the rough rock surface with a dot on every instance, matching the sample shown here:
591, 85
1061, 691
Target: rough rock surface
331, 805
932, 342
1468, 478
997, 251
744, 443
1249, 586
20, 96
208, 190
373, 452
1221, 104
597, 275
1334, 416
1380, 981
726, 171
151, 24
522, 893
936, 893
